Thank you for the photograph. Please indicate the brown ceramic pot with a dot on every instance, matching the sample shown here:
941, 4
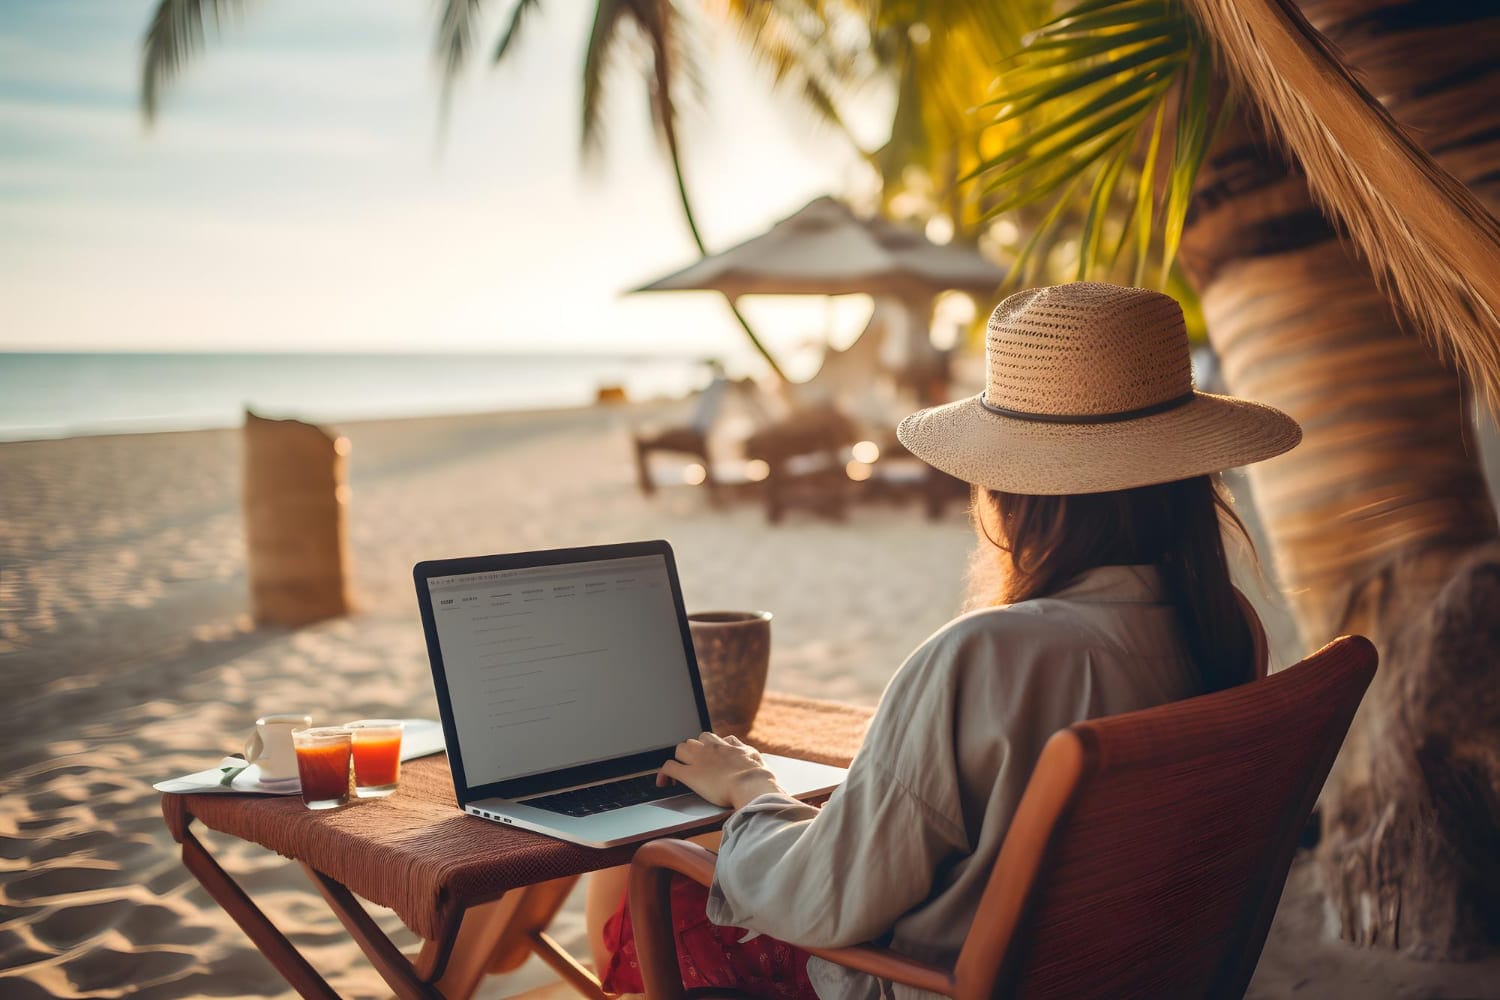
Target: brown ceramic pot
734, 653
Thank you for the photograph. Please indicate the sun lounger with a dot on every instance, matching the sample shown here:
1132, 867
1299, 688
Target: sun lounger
804, 453
690, 438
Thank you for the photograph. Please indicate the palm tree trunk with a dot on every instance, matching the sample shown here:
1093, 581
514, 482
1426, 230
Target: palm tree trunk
666, 118
1380, 523
692, 223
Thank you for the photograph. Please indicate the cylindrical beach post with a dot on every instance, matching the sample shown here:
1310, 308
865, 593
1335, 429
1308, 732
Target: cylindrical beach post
296, 534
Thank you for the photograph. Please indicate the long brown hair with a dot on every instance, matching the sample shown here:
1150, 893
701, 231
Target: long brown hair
1047, 541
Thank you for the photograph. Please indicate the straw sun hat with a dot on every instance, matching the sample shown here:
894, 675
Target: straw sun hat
1090, 389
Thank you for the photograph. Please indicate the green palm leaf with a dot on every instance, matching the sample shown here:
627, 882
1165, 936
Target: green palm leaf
1068, 145
1145, 200
455, 40
1118, 14
174, 36
1085, 102
1105, 183
792, 42
1025, 266
1073, 79
609, 17
1194, 134
1111, 98
1093, 44
518, 17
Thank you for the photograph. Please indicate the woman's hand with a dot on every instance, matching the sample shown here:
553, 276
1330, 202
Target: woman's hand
723, 771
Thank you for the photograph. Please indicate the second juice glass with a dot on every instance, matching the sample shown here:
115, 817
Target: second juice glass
377, 756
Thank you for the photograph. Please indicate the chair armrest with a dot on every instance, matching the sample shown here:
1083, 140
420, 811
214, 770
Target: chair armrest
656, 943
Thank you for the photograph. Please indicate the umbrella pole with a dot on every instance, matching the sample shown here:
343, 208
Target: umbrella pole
754, 340
692, 224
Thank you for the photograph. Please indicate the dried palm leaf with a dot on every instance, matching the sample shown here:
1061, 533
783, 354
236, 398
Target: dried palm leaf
1430, 241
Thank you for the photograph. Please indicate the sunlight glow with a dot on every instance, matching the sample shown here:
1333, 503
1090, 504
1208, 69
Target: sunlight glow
858, 471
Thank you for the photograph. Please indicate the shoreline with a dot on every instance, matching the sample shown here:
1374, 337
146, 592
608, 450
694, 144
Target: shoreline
335, 423
51, 396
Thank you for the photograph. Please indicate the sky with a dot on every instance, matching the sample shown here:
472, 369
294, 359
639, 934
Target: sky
295, 194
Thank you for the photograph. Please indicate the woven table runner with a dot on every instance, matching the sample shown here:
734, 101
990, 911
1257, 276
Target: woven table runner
416, 853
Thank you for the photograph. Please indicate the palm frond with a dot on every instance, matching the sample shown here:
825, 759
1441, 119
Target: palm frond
1429, 240
1194, 133
518, 15
1024, 267
174, 36
454, 42
1105, 183
671, 66
1144, 215
609, 17
791, 39
1085, 100
671, 60
941, 55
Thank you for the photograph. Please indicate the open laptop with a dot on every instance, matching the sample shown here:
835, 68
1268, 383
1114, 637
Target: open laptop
565, 679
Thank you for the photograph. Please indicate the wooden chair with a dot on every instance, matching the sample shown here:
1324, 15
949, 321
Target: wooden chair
804, 454
1146, 857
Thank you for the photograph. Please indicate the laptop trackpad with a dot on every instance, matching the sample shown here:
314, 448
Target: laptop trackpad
689, 806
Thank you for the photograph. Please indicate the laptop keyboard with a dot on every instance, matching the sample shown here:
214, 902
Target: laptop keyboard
603, 798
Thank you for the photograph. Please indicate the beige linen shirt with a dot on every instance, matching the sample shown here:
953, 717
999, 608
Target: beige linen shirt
902, 850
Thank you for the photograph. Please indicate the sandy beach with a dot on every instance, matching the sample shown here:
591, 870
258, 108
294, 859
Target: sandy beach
127, 656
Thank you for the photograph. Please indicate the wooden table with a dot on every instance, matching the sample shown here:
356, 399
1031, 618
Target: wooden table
479, 894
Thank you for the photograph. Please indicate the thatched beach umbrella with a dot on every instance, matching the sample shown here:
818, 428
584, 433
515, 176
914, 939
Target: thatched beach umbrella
824, 248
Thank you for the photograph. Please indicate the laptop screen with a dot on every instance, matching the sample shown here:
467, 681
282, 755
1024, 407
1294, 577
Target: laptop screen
555, 666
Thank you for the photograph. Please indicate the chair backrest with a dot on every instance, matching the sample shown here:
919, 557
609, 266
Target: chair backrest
1149, 851
710, 401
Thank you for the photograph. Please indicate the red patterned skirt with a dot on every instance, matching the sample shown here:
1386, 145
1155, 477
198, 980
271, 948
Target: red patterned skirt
710, 955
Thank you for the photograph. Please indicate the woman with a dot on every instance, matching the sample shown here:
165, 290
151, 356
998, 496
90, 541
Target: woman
1092, 458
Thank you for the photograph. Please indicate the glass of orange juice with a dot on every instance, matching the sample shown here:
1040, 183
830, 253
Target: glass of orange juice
377, 756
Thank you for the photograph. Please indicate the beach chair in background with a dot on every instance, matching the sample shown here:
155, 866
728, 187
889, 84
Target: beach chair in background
690, 438
803, 433
1146, 857
804, 456
874, 392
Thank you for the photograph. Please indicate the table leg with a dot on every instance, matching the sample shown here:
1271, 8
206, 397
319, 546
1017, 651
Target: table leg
573, 972
395, 968
469, 953
267, 937
493, 937
499, 936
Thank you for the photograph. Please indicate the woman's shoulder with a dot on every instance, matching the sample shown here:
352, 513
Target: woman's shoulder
1040, 619
987, 666
1011, 635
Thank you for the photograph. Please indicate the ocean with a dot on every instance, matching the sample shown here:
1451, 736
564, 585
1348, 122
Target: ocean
59, 395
